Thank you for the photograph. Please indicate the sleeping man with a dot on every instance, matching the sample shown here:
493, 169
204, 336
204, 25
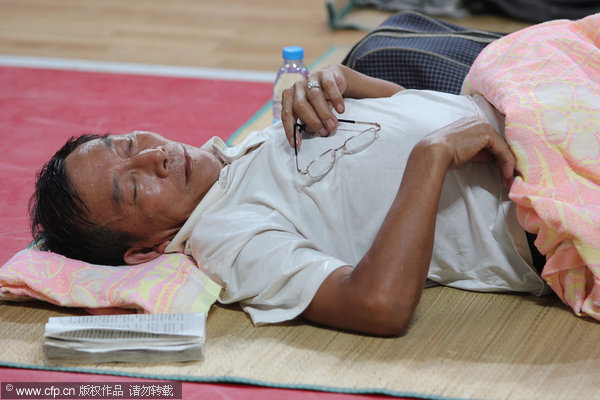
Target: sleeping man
409, 188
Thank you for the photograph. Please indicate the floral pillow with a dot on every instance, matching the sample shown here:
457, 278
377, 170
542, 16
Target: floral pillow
172, 283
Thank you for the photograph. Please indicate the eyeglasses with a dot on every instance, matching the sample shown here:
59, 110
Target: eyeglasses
322, 164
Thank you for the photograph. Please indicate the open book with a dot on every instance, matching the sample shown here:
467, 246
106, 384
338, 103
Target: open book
148, 338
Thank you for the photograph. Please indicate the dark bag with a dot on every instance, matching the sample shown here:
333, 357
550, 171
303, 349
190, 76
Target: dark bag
419, 52
536, 10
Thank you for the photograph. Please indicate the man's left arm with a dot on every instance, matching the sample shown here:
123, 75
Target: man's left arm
380, 294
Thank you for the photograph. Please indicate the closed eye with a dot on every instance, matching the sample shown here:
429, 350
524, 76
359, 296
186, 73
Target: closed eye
134, 189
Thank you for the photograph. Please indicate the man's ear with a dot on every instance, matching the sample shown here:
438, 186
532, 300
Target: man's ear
139, 254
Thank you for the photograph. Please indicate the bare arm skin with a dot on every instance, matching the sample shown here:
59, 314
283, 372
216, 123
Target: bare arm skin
314, 106
380, 294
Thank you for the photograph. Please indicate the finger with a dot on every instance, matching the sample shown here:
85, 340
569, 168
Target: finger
304, 110
288, 118
332, 91
508, 167
504, 157
507, 170
320, 105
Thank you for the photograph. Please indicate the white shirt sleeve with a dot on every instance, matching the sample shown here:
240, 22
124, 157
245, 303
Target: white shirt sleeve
277, 274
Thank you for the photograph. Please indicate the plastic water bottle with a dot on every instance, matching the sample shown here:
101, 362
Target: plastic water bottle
291, 70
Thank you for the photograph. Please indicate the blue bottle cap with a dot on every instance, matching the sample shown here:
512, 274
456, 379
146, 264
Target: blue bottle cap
293, 53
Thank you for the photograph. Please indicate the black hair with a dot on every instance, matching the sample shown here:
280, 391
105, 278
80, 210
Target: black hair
59, 217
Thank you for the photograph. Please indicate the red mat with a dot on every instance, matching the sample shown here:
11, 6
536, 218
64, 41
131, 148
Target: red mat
40, 109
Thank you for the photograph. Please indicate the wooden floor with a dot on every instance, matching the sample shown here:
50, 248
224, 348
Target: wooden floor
235, 34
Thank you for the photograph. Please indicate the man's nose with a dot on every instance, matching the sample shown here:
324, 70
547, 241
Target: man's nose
153, 160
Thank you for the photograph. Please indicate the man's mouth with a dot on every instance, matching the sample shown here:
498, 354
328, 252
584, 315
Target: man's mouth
188, 167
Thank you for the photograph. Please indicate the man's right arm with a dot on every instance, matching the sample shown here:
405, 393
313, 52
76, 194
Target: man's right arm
380, 294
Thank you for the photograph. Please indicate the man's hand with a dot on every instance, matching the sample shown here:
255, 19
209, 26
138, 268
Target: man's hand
314, 106
473, 139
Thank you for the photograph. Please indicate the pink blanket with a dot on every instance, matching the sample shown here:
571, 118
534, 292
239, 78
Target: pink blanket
546, 81
172, 283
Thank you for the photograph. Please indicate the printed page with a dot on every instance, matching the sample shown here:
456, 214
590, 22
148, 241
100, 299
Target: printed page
128, 338
183, 324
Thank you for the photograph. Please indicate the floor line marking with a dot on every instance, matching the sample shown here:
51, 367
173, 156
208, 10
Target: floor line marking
135, 68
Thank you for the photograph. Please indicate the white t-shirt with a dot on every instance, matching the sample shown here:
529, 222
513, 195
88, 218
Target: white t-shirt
270, 236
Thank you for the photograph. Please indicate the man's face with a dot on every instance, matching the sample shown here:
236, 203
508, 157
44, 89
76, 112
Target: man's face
141, 183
